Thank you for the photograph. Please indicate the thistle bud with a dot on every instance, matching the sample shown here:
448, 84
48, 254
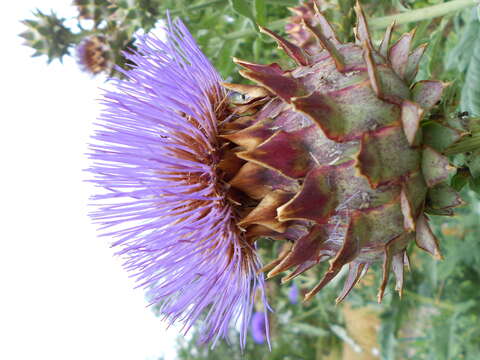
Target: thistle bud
48, 35
93, 55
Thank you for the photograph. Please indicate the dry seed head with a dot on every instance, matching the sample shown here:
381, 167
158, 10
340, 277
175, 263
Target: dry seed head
93, 55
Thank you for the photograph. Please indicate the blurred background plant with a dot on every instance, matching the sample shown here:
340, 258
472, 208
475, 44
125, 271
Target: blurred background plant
438, 316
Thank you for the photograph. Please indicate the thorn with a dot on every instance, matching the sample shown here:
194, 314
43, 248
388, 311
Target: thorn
399, 53
407, 211
406, 261
354, 275
425, 239
327, 45
326, 27
387, 260
383, 49
413, 62
283, 254
362, 33
411, 115
316, 6
329, 275
292, 50
398, 271
372, 69
272, 69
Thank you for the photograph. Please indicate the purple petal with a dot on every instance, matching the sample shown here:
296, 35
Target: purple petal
155, 152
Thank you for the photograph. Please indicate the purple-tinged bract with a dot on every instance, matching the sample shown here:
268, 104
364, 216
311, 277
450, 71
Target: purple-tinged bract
157, 155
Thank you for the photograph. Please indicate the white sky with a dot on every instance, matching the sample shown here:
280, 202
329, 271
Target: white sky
63, 295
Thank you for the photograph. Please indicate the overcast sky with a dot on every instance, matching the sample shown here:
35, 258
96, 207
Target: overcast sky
63, 295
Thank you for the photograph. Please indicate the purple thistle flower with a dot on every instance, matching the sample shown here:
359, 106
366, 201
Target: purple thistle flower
293, 294
259, 327
156, 154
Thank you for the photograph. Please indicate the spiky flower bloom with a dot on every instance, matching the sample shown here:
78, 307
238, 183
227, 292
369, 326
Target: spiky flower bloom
334, 156
167, 201
93, 55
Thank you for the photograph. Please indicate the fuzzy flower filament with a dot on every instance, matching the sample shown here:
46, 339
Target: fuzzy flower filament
156, 153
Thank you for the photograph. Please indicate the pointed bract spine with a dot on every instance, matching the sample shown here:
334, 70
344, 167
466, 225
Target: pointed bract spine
327, 45
385, 44
292, 50
399, 53
361, 31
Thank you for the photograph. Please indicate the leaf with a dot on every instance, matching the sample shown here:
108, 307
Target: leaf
309, 330
471, 90
257, 49
224, 61
459, 57
459, 181
260, 11
243, 8
439, 136
473, 163
443, 197
475, 185
345, 337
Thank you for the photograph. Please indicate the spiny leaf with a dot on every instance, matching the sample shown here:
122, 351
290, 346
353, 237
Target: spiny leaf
471, 90
260, 11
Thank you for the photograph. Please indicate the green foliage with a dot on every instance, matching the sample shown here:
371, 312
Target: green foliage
47, 35
465, 58
438, 317
471, 90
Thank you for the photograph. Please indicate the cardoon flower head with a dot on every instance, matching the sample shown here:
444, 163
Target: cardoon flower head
93, 55
158, 156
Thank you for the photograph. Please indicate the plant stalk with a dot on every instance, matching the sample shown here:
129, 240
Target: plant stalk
422, 14
274, 25
197, 6
215, 2
382, 22
426, 300
307, 314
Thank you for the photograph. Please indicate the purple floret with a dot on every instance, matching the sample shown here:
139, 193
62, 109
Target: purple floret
293, 294
259, 327
155, 155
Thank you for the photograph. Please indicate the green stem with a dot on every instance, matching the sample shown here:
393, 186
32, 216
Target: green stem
307, 313
422, 14
382, 22
283, 2
197, 6
215, 2
274, 25
430, 301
